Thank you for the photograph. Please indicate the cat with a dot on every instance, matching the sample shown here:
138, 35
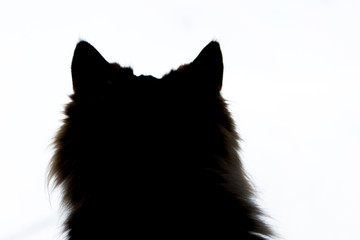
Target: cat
139, 156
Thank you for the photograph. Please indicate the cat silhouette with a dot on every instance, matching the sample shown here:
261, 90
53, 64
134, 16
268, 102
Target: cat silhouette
142, 157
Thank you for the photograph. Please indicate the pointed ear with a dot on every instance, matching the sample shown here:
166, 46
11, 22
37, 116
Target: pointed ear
209, 67
88, 68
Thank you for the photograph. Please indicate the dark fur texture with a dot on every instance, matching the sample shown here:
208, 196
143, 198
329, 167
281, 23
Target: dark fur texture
144, 158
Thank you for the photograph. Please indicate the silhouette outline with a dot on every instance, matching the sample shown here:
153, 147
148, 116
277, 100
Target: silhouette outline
139, 156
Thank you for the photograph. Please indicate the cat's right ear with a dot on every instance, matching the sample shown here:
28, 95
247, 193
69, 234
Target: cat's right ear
208, 67
88, 68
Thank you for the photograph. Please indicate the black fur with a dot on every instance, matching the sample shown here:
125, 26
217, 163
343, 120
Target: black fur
144, 158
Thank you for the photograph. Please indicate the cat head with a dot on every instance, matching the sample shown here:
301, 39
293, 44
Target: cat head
111, 101
113, 106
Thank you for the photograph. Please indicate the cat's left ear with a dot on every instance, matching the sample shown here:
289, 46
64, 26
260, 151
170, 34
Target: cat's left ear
89, 69
208, 66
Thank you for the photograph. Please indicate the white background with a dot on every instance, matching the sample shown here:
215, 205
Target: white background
292, 74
